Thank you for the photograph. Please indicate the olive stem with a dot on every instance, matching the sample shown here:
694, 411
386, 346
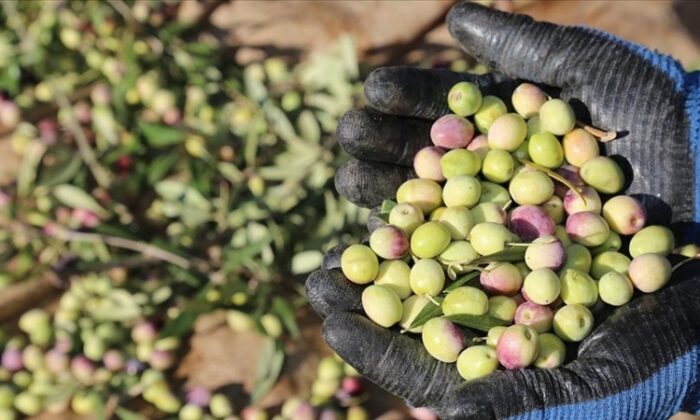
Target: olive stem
603, 136
673, 269
508, 204
140, 247
432, 299
463, 268
554, 176
102, 177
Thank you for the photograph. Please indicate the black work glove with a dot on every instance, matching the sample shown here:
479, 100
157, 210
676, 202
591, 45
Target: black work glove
644, 361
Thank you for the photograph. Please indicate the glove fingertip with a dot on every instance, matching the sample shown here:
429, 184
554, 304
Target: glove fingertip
379, 86
368, 183
375, 220
332, 258
329, 291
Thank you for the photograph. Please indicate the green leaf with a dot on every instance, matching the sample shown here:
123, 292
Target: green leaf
182, 324
387, 206
238, 256
160, 166
100, 410
512, 254
428, 312
29, 167
231, 172
308, 126
118, 305
268, 369
464, 280
62, 392
75, 197
125, 414
62, 172
158, 135
10, 77
171, 190
477, 322
286, 313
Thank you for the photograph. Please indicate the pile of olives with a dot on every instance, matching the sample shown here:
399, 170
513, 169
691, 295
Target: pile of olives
514, 227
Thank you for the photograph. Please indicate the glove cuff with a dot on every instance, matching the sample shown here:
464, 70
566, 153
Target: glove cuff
692, 106
691, 404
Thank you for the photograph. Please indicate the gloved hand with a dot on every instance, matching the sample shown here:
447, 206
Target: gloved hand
644, 361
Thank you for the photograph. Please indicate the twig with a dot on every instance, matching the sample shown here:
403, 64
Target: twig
98, 172
143, 248
123, 10
603, 136
680, 264
17, 298
555, 176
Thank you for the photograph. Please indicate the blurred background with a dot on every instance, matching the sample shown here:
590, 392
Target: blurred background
166, 184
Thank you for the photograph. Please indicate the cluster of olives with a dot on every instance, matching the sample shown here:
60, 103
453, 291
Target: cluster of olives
523, 218
90, 348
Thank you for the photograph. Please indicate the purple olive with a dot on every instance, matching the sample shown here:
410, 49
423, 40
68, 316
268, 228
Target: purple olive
530, 222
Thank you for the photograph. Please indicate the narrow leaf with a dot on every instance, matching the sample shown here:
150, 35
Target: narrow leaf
387, 206
158, 135
170, 189
160, 166
308, 127
62, 172
76, 198
428, 312
462, 281
182, 324
286, 313
268, 370
29, 167
125, 414
554, 176
239, 256
512, 254
477, 322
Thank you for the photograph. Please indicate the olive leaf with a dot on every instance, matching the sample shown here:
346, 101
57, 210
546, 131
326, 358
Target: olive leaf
477, 322
182, 324
62, 172
268, 369
158, 135
77, 198
429, 311
125, 414
29, 167
511, 254
387, 206
554, 176
463, 281
286, 313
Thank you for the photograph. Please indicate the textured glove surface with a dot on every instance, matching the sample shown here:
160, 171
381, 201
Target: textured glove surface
643, 362
647, 98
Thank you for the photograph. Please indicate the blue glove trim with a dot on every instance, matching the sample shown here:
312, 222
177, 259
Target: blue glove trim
664, 63
692, 400
666, 393
692, 106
